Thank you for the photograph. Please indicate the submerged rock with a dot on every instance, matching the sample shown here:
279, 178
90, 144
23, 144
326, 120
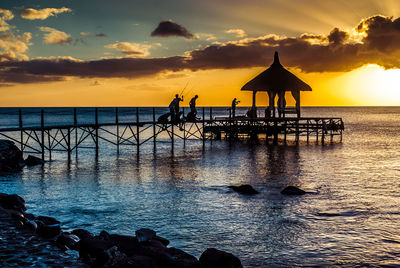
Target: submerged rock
33, 161
293, 190
244, 189
214, 258
11, 159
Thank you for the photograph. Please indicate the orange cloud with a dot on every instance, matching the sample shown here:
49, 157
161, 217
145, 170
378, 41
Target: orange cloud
5, 15
335, 52
42, 14
238, 32
55, 37
131, 49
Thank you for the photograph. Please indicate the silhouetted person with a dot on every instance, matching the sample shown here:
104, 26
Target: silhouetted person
281, 103
174, 107
192, 105
234, 103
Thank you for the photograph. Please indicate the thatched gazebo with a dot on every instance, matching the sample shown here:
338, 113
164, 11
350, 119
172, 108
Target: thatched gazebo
276, 80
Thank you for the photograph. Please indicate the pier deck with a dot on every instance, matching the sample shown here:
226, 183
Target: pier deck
44, 139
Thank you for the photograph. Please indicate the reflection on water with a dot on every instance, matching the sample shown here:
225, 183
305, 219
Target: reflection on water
350, 219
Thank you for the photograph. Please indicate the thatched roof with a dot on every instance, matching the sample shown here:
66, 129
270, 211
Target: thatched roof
276, 78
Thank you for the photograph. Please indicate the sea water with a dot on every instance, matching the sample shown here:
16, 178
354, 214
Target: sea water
352, 216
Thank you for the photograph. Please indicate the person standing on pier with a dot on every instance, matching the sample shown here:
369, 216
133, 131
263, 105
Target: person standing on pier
234, 103
174, 107
192, 105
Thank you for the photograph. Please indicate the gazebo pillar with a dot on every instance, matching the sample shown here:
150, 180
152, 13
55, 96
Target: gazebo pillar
254, 100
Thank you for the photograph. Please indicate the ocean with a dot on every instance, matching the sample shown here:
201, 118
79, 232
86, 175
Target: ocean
352, 216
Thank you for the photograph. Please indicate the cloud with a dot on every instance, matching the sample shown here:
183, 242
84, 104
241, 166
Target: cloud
88, 34
42, 14
5, 15
131, 49
335, 52
238, 32
14, 47
206, 36
168, 28
56, 37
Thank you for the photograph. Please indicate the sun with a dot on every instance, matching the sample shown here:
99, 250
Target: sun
373, 85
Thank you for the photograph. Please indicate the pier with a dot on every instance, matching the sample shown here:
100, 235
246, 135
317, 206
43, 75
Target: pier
140, 127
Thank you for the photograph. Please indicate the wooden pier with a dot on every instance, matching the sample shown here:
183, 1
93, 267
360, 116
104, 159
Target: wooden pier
43, 139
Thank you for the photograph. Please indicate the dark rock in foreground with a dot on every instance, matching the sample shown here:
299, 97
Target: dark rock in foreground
146, 249
293, 190
33, 161
13, 202
214, 258
244, 189
10, 157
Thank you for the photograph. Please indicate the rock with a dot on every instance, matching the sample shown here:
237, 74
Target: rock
30, 225
81, 233
145, 234
16, 215
12, 201
48, 227
214, 258
115, 258
33, 161
129, 245
164, 241
104, 235
29, 216
11, 159
68, 240
168, 257
292, 190
93, 251
244, 189
141, 262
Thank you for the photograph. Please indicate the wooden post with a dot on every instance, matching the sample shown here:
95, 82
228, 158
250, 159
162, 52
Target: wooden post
330, 125
323, 133
275, 130
284, 138
184, 127
137, 130
69, 143
230, 124
76, 132
96, 116
204, 117
211, 117
20, 126
172, 135
308, 132
316, 130
297, 131
42, 131
48, 141
117, 125
154, 128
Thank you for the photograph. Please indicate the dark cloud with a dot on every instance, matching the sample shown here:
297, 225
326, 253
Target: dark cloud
168, 28
336, 52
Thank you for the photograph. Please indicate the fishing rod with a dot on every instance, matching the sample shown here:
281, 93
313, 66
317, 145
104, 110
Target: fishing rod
183, 90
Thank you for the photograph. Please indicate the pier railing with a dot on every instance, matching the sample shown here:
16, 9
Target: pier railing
42, 132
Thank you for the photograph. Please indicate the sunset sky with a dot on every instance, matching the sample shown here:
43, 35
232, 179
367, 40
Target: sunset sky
140, 53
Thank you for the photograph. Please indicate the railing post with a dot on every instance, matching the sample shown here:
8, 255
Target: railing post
42, 131
117, 125
20, 126
154, 128
96, 114
137, 130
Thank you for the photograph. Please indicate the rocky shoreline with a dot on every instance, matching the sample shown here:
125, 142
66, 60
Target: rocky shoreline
144, 249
